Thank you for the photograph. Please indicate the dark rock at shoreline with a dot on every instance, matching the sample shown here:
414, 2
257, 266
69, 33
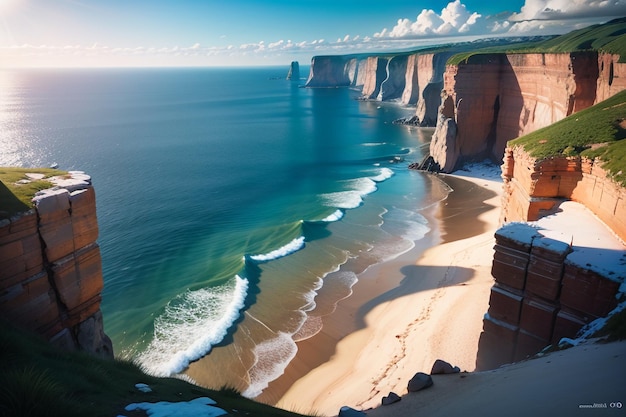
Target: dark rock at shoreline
391, 398
411, 121
419, 382
427, 164
443, 367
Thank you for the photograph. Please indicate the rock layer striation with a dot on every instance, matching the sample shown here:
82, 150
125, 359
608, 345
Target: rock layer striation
51, 269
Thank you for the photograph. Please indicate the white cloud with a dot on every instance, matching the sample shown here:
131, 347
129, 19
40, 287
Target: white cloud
453, 19
569, 9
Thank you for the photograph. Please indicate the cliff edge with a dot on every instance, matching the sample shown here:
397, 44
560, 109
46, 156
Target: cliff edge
51, 269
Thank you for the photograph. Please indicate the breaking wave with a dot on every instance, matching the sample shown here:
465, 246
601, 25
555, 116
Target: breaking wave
207, 313
291, 247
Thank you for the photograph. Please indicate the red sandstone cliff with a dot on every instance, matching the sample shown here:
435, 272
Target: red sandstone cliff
413, 79
51, 270
533, 188
492, 99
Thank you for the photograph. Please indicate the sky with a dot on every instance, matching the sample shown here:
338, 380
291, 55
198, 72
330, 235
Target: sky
121, 33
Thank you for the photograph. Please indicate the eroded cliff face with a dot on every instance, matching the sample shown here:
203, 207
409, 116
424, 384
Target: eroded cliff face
51, 269
534, 188
330, 71
545, 289
495, 98
409, 79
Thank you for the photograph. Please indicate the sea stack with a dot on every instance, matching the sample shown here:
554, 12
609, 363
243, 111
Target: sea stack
294, 71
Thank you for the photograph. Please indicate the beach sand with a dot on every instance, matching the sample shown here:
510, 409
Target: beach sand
433, 309
586, 380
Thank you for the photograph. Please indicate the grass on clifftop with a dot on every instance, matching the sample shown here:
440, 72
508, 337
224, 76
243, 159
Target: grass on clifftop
40, 380
599, 131
16, 198
609, 37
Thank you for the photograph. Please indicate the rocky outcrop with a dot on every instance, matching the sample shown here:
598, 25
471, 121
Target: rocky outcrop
294, 71
534, 188
51, 269
545, 289
499, 97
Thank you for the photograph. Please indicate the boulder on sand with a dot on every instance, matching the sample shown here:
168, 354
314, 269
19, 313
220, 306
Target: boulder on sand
443, 367
391, 398
419, 381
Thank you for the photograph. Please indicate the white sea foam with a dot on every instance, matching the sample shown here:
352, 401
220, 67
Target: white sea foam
363, 185
337, 215
272, 357
191, 325
351, 198
409, 225
291, 247
312, 326
343, 199
385, 174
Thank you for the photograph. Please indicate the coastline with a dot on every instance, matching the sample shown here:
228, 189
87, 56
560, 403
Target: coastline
429, 309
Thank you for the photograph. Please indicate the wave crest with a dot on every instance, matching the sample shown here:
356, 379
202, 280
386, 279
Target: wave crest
291, 247
207, 314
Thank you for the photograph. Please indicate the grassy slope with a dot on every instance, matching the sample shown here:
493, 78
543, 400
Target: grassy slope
16, 198
604, 123
609, 37
37, 379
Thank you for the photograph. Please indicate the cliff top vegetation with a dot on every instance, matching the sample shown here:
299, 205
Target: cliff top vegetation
15, 194
38, 379
596, 132
609, 37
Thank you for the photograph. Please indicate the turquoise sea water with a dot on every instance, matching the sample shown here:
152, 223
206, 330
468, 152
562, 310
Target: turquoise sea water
235, 207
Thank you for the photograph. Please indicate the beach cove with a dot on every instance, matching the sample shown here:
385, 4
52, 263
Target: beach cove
437, 312
434, 311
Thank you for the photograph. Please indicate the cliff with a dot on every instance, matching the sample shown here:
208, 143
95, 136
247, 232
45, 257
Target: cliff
548, 285
491, 99
51, 270
534, 188
414, 79
481, 95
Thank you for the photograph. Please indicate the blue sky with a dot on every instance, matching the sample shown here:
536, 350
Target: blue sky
247, 32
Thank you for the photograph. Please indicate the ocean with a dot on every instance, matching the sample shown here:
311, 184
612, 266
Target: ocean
236, 208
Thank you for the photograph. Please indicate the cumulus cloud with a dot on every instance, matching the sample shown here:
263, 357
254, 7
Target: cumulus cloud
455, 18
558, 16
535, 17
569, 9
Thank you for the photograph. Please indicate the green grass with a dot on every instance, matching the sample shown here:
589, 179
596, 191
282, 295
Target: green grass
37, 379
598, 131
16, 198
609, 37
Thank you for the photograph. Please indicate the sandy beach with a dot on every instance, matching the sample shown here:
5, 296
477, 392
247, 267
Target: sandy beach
433, 310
